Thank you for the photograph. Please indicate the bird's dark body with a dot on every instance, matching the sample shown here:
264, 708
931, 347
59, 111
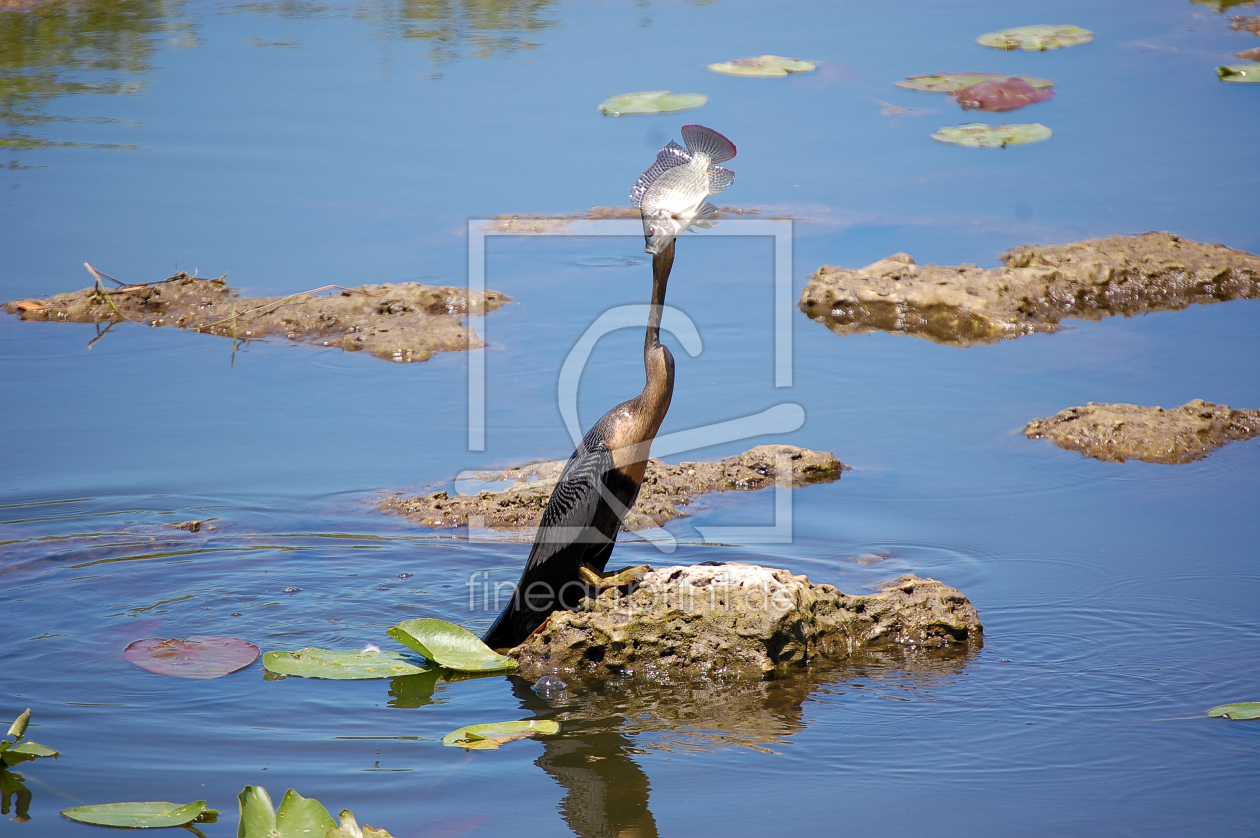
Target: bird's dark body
598, 486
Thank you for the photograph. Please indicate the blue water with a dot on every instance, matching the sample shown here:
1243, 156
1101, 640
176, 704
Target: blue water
296, 145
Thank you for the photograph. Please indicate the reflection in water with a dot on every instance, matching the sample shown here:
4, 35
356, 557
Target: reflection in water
484, 26
66, 48
606, 722
14, 795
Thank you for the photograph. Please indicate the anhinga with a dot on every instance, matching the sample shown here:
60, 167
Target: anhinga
601, 481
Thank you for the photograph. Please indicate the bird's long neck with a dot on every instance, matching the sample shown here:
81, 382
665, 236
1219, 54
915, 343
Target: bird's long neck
661, 264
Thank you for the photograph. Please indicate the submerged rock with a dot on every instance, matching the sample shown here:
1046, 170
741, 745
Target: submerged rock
966, 305
741, 620
400, 322
665, 491
1114, 433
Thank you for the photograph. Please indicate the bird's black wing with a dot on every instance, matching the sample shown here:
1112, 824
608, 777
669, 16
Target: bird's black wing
572, 513
577, 527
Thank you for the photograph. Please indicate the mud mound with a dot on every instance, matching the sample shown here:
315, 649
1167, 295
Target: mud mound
1040, 286
399, 322
666, 489
744, 620
1114, 433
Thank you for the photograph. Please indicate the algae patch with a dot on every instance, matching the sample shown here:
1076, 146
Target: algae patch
666, 489
399, 322
1039, 286
1114, 433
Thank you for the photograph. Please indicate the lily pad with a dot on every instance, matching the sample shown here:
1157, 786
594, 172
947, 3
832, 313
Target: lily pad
18, 728
1238, 712
1042, 36
26, 752
200, 657
954, 82
764, 65
489, 737
1001, 96
1248, 73
350, 828
449, 645
651, 101
298, 816
348, 665
143, 815
982, 135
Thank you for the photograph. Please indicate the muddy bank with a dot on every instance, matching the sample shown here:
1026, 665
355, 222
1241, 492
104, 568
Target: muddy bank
1039, 286
666, 491
1114, 433
399, 322
741, 620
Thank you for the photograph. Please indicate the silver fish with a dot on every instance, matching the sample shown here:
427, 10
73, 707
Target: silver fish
671, 193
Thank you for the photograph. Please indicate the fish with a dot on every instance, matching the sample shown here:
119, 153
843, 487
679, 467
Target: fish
671, 195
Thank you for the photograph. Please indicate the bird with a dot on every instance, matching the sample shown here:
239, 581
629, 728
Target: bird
601, 480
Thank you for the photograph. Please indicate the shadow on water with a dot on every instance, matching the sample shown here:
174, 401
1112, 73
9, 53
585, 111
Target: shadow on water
605, 723
74, 47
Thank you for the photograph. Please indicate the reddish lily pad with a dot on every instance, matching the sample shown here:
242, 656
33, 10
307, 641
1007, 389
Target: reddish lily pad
1001, 96
200, 657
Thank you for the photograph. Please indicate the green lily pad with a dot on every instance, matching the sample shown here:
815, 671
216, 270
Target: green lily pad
764, 65
26, 752
143, 815
1248, 73
954, 82
1238, 712
350, 828
651, 101
298, 816
489, 737
982, 135
1042, 36
350, 665
449, 645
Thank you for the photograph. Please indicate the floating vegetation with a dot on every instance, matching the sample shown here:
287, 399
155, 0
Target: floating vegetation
1245, 24
983, 135
400, 322
199, 657
651, 101
1242, 711
17, 751
1114, 433
152, 815
450, 645
1248, 73
1001, 96
955, 82
349, 665
1038, 287
1252, 54
1038, 37
764, 65
668, 489
488, 737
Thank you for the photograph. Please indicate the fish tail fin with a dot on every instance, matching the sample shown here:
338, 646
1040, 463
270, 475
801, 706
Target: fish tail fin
701, 140
719, 179
667, 158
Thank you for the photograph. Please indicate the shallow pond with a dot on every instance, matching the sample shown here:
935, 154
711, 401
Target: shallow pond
295, 144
